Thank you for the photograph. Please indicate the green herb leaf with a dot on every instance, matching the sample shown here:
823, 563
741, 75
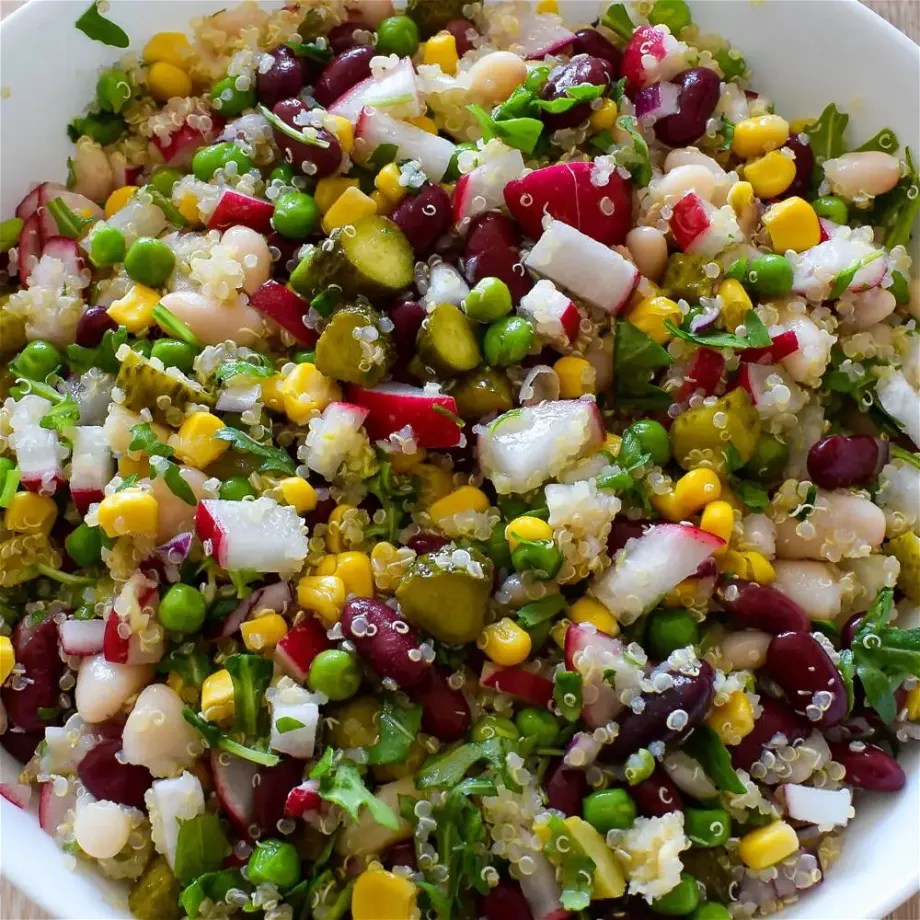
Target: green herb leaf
675, 14
252, 366
577, 868
64, 415
312, 51
102, 127
170, 211
128, 482
274, 458
521, 133
175, 482
10, 484
574, 95
193, 666
537, 612
215, 738
727, 131
68, 223
173, 326
212, 886
756, 335
567, 692
346, 789
635, 156
251, 675
395, 494
898, 209
847, 668
808, 505
732, 67
95, 26
144, 438
845, 278
81, 359
383, 155
898, 453
617, 20
754, 497
290, 132
886, 141
636, 357
602, 141
242, 580
399, 728
826, 135
446, 769
288, 724
705, 746
324, 765
878, 690
201, 847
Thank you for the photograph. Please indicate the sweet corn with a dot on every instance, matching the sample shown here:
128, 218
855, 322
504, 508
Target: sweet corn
798, 125
306, 391
165, 80
378, 893
131, 511
298, 493
30, 513
612, 444
424, 122
719, 519
755, 136
406, 463
913, 703
171, 47
175, 682
771, 174
649, 316
505, 642
217, 696
527, 528
335, 542
604, 117
792, 224
271, 392
328, 191
326, 566
348, 209
323, 594
441, 49
436, 482
741, 197
557, 633
691, 493
768, 845
188, 208
384, 205
7, 658
354, 569
134, 311
733, 721
759, 568
387, 182
342, 129
548, 6
577, 377
195, 443
133, 466
589, 610
466, 498
264, 633
682, 594
735, 303
119, 198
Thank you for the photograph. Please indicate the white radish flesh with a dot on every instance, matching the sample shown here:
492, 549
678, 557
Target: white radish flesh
689, 776
104, 687
484, 188
432, 152
156, 736
814, 586
81, 637
394, 93
825, 807
899, 496
170, 801
553, 315
335, 436
841, 526
809, 361
37, 449
902, 402
289, 701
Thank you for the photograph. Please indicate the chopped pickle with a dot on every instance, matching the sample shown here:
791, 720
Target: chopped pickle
481, 392
906, 549
686, 277
147, 387
155, 895
20, 555
353, 348
12, 332
700, 435
433, 15
354, 723
446, 341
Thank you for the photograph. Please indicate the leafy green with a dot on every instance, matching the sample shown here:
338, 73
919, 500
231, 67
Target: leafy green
242, 580
756, 335
705, 746
251, 675
95, 26
808, 505
103, 127
143, 438
826, 135
275, 459
602, 141
173, 326
577, 868
64, 415
886, 141
568, 688
302, 136
847, 668
732, 66
447, 768
845, 278
675, 14
537, 612
288, 724
398, 727
312, 51
574, 95
68, 223
617, 20
395, 493
521, 133
754, 497
634, 156
343, 786
727, 131
636, 357
201, 847
102, 356
898, 209
382, 155
172, 476
170, 212
212, 886
193, 664
215, 738
254, 365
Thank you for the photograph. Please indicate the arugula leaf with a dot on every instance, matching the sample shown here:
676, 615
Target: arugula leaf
312, 51
176, 484
251, 675
95, 26
212, 886
127, 482
144, 438
244, 367
288, 724
275, 458
826, 134
192, 665
754, 497
898, 209
173, 215
886, 141
382, 155
675, 14
201, 847
215, 738
705, 746
617, 20
635, 156
756, 335
242, 579
537, 612
847, 668
807, 506
732, 66
398, 730
68, 223
325, 765
521, 133
878, 691
602, 141
845, 278
103, 127
102, 356
574, 95
345, 788
395, 493
567, 692
636, 356
727, 130
64, 415
577, 868
447, 768
898, 453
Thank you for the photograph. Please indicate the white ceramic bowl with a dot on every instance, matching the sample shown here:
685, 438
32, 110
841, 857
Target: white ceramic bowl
804, 54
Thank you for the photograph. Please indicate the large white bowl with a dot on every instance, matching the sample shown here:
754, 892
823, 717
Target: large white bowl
804, 54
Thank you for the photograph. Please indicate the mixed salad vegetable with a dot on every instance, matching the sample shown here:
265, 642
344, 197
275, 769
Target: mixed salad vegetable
456, 464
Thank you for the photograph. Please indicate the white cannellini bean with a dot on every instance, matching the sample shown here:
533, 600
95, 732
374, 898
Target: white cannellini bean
250, 249
759, 535
844, 526
862, 174
690, 156
814, 586
174, 515
649, 250
156, 736
92, 172
869, 575
101, 829
213, 322
370, 12
745, 649
103, 687
871, 307
683, 179
495, 75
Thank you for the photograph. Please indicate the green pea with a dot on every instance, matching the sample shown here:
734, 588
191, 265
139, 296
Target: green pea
114, 90
768, 460
539, 724
675, 14
304, 356
142, 347
164, 178
711, 910
489, 300
149, 261
84, 545
899, 287
669, 630
541, 557
334, 673
295, 215
645, 437
106, 246
182, 609
174, 354
283, 172
611, 809
235, 489
507, 341
9, 233
275, 862
490, 726
640, 765
453, 170
831, 207
679, 901
209, 159
397, 35
231, 101
770, 276
707, 827
37, 361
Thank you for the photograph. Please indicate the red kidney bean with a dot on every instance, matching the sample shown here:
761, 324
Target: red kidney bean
706, 569
848, 633
810, 680
36, 648
320, 514
622, 531
691, 694
407, 316
869, 767
271, 792
342, 36
385, 640
565, 788
21, 745
342, 73
424, 218
804, 166
285, 77
583, 68
506, 901
657, 795
757, 606
107, 778
460, 29
590, 41
93, 325
445, 711
699, 95
838, 461
427, 543
777, 719
310, 159
400, 854
492, 249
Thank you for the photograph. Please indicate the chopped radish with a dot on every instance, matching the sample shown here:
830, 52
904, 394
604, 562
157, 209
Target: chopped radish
302, 799
17, 793
37, 449
701, 228
279, 303
234, 208
334, 436
593, 654
783, 345
551, 312
651, 565
394, 93
703, 375
816, 270
53, 808
30, 247
137, 218
586, 268
523, 685
657, 101
233, 782
652, 54
825, 807
537, 35
179, 148
29, 205
79, 204
138, 596
567, 192
902, 402
259, 536
91, 465
277, 597
164, 562
541, 891
432, 152
82, 637
292, 703
484, 188
392, 406
47, 274
771, 388
238, 397
170, 801
296, 650
523, 448
445, 285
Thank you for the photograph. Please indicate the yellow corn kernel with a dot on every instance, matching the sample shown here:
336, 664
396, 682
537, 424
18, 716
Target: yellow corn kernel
328, 191
733, 721
356, 573
792, 224
589, 610
387, 182
133, 466
759, 568
528, 528
441, 49
379, 893
171, 47
768, 845
719, 519
165, 81
271, 392
342, 129
306, 391
741, 197
324, 595
195, 443
265, 632
755, 136
335, 541
649, 316
557, 633
604, 117
119, 198
466, 498
298, 493
326, 566
612, 444
384, 205
436, 482
217, 696
131, 511
771, 174
406, 463
913, 703
577, 377
348, 209
28, 512
505, 642
425, 123
548, 6
175, 682
798, 125
691, 493
7, 658
735, 303
134, 311
682, 594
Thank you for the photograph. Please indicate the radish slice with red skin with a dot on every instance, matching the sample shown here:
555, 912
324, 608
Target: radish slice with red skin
17, 793
138, 593
53, 808
29, 205
523, 685
180, 147
703, 375
82, 637
37, 449
658, 100
233, 782
91, 465
584, 647
302, 799
652, 54
690, 217
432, 151
279, 303
65, 251
760, 381
783, 345
296, 650
392, 406
79, 204
394, 93
484, 188
551, 312
236, 208
30, 248
277, 597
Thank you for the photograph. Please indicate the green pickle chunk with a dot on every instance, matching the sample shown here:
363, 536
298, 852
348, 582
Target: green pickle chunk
148, 387
353, 348
700, 435
447, 343
155, 895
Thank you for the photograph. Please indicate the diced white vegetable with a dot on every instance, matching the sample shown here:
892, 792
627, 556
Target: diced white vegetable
169, 801
825, 807
295, 715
